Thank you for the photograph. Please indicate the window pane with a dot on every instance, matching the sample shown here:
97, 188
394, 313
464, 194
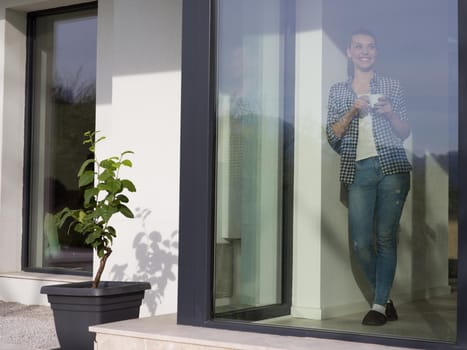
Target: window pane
63, 108
414, 65
375, 188
250, 113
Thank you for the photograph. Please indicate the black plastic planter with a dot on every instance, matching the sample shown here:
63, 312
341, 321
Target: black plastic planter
76, 306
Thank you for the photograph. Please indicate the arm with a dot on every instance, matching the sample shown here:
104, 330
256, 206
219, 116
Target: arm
333, 117
401, 127
395, 112
340, 126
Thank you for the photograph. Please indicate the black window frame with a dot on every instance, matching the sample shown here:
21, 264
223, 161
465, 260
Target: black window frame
197, 184
28, 124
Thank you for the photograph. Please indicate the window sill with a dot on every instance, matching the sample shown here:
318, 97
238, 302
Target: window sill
45, 277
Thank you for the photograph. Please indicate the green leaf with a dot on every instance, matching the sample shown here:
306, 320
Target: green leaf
128, 185
81, 216
100, 139
86, 178
126, 152
112, 231
127, 162
122, 198
63, 215
106, 174
109, 163
93, 236
115, 186
100, 252
108, 212
103, 187
126, 211
89, 194
79, 227
85, 165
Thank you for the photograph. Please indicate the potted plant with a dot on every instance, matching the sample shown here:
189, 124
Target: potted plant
76, 306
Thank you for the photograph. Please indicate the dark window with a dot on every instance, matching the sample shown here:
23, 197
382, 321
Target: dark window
62, 100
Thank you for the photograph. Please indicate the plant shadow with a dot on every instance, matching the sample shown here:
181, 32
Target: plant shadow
156, 257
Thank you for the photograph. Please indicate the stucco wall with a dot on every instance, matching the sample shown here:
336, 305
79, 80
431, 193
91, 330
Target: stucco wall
138, 103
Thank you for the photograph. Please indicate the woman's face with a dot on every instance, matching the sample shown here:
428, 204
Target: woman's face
362, 52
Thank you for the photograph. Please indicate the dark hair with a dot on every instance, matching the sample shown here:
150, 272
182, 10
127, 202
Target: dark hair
362, 31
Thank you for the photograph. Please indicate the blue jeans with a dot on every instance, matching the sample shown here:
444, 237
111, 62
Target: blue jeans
375, 208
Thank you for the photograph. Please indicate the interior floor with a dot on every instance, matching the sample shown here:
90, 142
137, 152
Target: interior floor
432, 319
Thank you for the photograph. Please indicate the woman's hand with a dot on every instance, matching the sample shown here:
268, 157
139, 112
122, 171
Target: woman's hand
384, 107
362, 103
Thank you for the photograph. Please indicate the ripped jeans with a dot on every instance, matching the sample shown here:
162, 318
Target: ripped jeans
375, 207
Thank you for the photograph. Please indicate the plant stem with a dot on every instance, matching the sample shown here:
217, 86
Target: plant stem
102, 262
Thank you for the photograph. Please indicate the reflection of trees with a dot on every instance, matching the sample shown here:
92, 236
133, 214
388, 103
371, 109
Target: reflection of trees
71, 110
156, 257
73, 90
73, 113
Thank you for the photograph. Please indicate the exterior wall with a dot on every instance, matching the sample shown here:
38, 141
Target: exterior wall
138, 103
138, 108
12, 67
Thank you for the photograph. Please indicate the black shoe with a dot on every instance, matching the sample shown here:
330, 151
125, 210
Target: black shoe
391, 313
374, 318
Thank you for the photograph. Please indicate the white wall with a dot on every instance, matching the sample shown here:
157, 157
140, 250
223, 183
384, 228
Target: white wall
138, 108
12, 67
138, 104
307, 240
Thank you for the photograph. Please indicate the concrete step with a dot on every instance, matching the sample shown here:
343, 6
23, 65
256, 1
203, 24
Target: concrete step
162, 333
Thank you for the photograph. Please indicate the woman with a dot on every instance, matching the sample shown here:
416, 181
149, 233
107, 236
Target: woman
366, 125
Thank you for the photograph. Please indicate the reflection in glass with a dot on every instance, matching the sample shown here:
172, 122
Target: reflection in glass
63, 108
329, 290
366, 126
249, 155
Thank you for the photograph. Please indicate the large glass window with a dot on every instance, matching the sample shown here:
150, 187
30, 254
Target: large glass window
62, 108
373, 151
250, 155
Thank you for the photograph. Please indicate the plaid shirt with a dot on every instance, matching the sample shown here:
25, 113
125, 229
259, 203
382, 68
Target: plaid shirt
391, 153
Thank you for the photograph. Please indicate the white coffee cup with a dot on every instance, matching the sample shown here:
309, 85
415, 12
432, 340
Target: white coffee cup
374, 99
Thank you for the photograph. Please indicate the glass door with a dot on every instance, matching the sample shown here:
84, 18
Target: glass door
374, 203
252, 167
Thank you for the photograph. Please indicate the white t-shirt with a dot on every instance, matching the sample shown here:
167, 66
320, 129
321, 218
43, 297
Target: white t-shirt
366, 146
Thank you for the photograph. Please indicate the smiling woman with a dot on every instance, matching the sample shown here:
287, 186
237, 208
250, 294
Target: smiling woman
368, 136
362, 50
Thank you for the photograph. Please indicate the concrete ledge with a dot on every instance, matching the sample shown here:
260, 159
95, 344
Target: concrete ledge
45, 277
162, 333
24, 287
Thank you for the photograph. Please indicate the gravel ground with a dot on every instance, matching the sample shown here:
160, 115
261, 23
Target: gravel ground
28, 327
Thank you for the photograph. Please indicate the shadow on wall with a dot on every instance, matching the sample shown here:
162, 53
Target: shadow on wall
156, 258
